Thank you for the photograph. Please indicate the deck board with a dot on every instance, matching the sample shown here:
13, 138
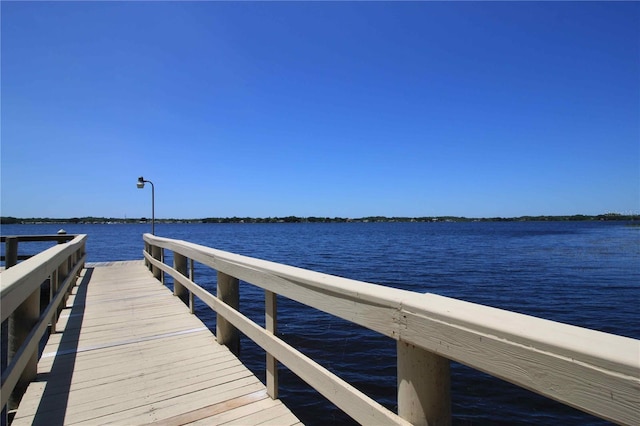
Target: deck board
127, 351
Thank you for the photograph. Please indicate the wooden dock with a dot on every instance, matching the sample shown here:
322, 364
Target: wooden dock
127, 351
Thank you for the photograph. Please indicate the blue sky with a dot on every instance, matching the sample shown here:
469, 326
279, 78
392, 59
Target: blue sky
342, 109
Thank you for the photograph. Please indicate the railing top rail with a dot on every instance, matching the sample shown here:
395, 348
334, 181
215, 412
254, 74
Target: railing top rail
590, 346
587, 369
19, 281
44, 237
564, 339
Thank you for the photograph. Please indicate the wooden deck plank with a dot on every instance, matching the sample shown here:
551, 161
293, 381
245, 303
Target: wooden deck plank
263, 416
102, 386
127, 352
84, 409
198, 340
208, 412
112, 359
237, 412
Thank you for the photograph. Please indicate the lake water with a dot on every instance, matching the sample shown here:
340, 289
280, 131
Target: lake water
580, 273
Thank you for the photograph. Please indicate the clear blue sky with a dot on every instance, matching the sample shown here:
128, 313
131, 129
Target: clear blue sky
320, 109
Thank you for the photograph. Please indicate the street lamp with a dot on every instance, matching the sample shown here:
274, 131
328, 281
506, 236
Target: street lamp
140, 185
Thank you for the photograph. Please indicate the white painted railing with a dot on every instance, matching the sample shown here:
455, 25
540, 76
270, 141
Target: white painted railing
11, 256
20, 303
596, 372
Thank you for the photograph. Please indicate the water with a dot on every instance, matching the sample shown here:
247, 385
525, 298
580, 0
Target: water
580, 273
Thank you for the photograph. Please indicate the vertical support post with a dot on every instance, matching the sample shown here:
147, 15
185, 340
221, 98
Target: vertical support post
79, 255
162, 276
156, 253
271, 325
150, 251
228, 291
62, 272
53, 290
83, 251
180, 265
11, 252
147, 248
21, 322
192, 275
424, 395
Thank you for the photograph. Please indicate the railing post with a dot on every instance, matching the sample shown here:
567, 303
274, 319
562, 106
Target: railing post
11, 252
79, 255
156, 253
53, 290
424, 396
162, 276
21, 322
271, 325
228, 291
180, 265
147, 248
192, 275
62, 272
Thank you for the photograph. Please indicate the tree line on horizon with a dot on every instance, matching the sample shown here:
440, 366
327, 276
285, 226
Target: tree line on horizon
9, 220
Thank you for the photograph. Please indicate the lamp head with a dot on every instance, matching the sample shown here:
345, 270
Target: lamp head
140, 182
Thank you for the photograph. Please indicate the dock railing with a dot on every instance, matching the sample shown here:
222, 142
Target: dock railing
56, 268
10, 242
596, 372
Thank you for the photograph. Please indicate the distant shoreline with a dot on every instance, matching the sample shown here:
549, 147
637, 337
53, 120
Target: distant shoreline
8, 220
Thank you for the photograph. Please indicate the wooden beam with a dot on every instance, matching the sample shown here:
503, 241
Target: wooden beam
228, 291
424, 390
271, 325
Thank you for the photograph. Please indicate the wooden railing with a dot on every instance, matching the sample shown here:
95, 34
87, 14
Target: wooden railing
20, 287
596, 372
12, 256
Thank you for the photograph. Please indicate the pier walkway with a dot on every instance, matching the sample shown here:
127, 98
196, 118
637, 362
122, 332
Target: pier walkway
127, 351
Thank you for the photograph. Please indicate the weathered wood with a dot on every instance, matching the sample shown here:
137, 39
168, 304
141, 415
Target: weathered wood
271, 325
147, 249
180, 265
596, 372
63, 272
20, 361
368, 305
21, 322
423, 386
11, 252
20, 300
128, 352
228, 291
20, 281
238, 415
63, 238
11, 245
54, 285
213, 409
192, 275
353, 402
156, 253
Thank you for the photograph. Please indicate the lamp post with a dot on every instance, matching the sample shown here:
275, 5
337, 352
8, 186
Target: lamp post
140, 185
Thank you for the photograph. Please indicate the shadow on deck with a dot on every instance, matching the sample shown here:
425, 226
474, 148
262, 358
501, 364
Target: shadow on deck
127, 351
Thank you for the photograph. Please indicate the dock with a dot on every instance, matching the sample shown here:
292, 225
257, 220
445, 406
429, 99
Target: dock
124, 348
126, 351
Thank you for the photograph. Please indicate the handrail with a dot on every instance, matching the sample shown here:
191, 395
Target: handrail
596, 372
20, 303
11, 245
61, 238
